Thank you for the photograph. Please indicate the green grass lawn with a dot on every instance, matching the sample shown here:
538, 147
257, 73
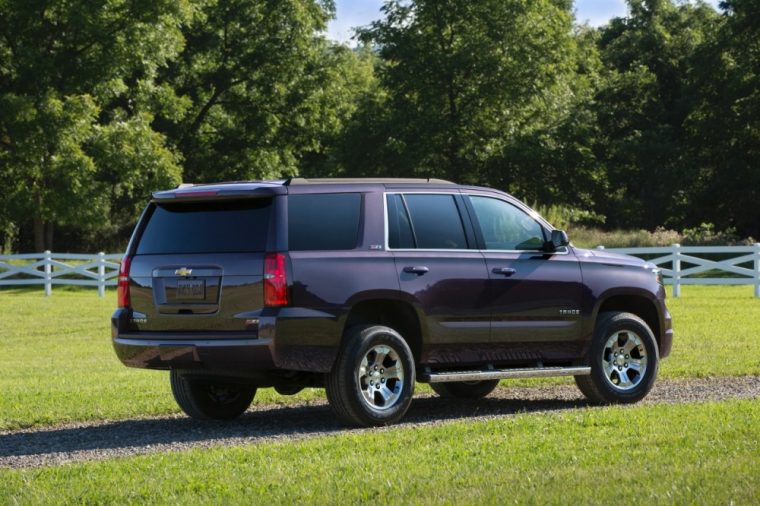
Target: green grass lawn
57, 364
684, 454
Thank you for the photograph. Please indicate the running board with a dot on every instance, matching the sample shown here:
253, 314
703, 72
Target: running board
492, 374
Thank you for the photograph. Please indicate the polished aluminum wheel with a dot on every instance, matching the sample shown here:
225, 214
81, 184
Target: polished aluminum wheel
380, 376
624, 360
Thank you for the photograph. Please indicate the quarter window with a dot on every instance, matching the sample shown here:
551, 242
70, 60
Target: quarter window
323, 222
506, 227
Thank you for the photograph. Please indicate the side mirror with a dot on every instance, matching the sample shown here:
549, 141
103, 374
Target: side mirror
559, 239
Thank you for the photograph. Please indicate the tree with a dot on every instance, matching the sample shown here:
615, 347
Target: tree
724, 127
463, 79
642, 105
66, 75
249, 74
344, 79
553, 159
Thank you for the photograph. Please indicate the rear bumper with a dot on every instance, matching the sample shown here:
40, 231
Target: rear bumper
292, 349
213, 354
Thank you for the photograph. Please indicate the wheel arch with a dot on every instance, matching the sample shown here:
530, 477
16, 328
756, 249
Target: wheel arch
640, 303
394, 312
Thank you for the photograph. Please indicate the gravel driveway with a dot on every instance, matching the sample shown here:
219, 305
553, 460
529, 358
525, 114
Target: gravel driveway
99, 440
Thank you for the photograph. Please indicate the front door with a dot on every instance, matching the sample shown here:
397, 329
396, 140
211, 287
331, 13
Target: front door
535, 295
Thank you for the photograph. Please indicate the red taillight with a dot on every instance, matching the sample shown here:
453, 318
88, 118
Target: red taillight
275, 280
122, 288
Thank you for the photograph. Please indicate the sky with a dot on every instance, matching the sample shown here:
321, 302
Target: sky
351, 13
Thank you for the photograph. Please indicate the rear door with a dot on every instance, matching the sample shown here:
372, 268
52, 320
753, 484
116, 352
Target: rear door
198, 266
439, 266
535, 295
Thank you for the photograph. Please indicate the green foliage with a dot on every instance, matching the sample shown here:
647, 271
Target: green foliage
345, 80
64, 83
652, 120
256, 79
553, 159
134, 162
724, 127
566, 217
705, 234
590, 237
642, 104
463, 81
102, 103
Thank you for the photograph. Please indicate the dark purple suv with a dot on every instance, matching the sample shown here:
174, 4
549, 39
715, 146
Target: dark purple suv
365, 287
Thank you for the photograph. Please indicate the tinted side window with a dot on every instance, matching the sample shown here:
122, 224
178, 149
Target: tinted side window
436, 222
399, 227
506, 227
323, 222
206, 227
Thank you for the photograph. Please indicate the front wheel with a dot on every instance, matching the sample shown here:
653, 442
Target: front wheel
624, 359
207, 399
372, 381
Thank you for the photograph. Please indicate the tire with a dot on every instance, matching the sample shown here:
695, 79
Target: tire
624, 360
205, 399
465, 389
369, 354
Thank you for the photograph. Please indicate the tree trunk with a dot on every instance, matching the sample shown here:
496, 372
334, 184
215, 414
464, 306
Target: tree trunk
39, 234
49, 235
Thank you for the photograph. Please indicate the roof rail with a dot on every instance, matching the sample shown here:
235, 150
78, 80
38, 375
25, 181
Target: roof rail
327, 180
246, 181
359, 180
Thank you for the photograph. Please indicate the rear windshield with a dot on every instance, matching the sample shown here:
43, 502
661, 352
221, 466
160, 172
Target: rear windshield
206, 227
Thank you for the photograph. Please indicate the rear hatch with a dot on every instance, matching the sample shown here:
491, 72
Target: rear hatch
197, 266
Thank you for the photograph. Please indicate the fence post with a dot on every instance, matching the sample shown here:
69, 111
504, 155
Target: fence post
676, 270
48, 273
101, 275
757, 269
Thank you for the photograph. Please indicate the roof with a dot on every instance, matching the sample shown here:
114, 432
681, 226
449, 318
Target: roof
238, 189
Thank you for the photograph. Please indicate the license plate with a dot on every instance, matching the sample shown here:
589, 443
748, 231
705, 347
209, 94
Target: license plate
191, 289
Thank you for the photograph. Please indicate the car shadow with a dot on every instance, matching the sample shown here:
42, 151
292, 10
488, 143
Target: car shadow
256, 425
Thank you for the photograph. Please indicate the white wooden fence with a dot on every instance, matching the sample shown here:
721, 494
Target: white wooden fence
680, 265
50, 269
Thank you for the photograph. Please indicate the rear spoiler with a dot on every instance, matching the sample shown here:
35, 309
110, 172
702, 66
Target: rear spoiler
190, 193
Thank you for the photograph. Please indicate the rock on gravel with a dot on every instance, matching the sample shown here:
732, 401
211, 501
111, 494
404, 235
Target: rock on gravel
100, 440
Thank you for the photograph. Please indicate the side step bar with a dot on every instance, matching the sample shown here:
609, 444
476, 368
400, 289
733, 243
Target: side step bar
492, 374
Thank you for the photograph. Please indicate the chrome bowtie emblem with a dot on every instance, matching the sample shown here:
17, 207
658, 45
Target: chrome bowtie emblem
184, 271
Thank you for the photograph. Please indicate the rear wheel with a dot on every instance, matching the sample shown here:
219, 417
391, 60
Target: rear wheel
210, 399
465, 389
372, 381
624, 359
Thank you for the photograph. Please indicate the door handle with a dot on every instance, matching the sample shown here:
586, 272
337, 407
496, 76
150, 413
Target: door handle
416, 269
505, 271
